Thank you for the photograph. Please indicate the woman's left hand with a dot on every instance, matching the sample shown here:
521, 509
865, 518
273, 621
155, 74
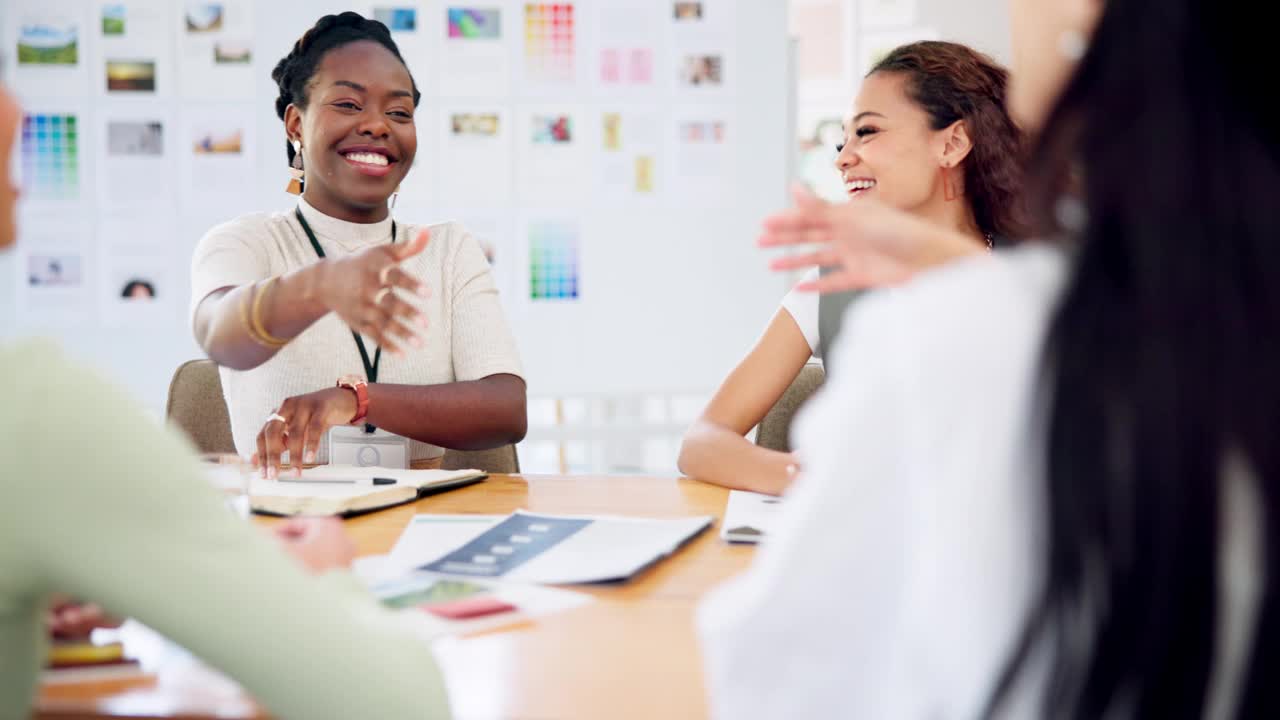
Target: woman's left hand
299, 425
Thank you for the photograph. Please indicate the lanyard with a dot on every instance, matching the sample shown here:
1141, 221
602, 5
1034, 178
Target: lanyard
370, 368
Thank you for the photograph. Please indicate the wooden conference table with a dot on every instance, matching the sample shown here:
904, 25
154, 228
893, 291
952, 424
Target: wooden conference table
632, 653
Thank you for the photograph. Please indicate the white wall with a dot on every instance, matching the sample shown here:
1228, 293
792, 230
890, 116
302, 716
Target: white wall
675, 290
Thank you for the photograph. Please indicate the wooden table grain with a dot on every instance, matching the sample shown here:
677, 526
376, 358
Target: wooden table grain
630, 654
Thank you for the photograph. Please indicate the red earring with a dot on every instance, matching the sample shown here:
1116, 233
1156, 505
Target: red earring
950, 188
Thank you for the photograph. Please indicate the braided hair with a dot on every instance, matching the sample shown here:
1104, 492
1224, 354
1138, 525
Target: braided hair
294, 72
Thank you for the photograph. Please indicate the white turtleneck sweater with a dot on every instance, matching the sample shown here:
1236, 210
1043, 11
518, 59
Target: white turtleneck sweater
467, 337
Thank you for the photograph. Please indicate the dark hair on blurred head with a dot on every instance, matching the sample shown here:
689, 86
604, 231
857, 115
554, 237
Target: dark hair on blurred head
135, 284
1162, 367
294, 72
953, 82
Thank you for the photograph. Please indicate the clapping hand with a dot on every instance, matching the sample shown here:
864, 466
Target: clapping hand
868, 244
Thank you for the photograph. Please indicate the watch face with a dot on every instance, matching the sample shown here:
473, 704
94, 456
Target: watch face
352, 380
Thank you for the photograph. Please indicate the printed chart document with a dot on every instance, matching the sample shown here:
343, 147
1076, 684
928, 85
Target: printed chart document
558, 549
749, 516
430, 537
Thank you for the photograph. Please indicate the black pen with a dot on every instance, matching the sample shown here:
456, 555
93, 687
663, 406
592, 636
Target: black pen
349, 481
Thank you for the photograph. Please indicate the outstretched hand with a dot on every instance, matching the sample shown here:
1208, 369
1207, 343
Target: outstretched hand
866, 243
361, 289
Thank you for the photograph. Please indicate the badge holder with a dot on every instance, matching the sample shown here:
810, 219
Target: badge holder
353, 446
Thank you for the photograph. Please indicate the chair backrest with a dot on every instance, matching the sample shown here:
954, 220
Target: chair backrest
498, 460
197, 407
775, 429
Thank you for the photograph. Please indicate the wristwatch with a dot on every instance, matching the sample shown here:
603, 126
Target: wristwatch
357, 385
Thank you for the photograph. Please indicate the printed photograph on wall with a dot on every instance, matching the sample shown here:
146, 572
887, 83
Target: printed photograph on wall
204, 17
54, 271
474, 23
223, 141
48, 42
475, 124
397, 19
685, 10
138, 289
113, 19
131, 76
700, 70
129, 138
549, 129
231, 52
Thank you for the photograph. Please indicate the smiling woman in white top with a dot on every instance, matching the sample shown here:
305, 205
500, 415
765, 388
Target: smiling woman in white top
929, 134
1045, 484
334, 313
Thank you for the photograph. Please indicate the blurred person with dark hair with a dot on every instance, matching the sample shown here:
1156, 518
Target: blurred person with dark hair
1045, 483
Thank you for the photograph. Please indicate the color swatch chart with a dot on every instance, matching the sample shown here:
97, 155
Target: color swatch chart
553, 261
548, 41
50, 157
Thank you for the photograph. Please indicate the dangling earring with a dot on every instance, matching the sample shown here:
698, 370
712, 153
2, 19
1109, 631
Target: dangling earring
1072, 44
395, 195
297, 176
950, 188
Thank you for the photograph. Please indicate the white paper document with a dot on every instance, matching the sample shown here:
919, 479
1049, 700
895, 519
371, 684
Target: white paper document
749, 516
555, 549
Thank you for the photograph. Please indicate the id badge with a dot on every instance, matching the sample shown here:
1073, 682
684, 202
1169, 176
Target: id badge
351, 445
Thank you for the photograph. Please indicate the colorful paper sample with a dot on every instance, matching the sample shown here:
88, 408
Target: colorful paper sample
51, 156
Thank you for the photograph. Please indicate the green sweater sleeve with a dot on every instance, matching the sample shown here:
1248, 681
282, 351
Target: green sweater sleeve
99, 502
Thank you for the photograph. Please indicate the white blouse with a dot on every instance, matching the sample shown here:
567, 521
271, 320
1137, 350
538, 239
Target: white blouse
467, 336
901, 573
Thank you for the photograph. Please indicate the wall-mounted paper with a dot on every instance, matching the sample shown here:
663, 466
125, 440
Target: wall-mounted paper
875, 46
411, 27
703, 155
699, 21
627, 158
475, 156
216, 151
54, 272
880, 14
51, 157
703, 44
550, 45
136, 56
554, 261
824, 56
136, 167
552, 149
49, 40
627, 40
137, 288
215, 49
397, 18
475, 49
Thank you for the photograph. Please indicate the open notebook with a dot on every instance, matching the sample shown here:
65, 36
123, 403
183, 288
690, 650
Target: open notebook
320, 492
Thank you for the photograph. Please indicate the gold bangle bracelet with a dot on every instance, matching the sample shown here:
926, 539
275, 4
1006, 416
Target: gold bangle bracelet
253, 318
